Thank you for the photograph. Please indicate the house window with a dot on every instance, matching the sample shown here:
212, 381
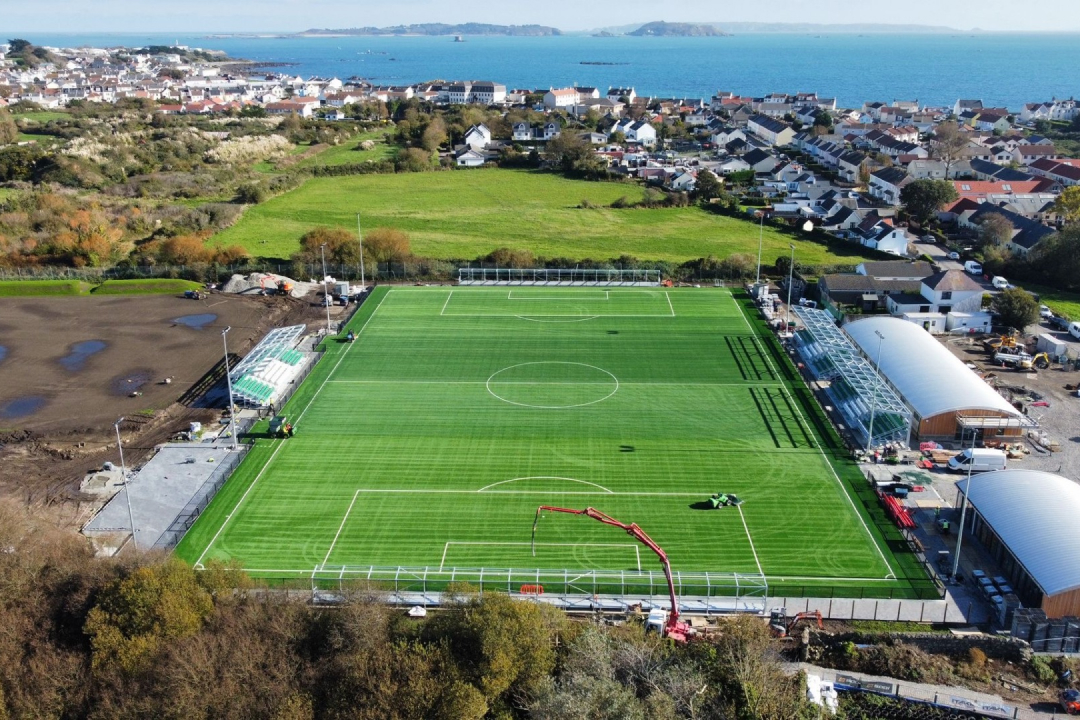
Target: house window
946, 295
965, 187
1007, 188
924, 308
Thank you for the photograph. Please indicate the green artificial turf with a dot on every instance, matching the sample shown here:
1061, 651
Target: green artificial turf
18, 288
466, 214
431, 441
151, 286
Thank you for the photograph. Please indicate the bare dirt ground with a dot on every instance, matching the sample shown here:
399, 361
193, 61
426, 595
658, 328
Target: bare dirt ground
58, 406
1058, 418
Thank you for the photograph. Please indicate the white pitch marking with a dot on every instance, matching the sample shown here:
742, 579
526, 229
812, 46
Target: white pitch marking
750, 538
270, 460
607, 296
446, 547
669, 304
447, 302
547, 477
341, 527
806, 428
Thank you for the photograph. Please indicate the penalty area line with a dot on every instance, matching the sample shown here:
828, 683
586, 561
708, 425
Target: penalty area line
340, 527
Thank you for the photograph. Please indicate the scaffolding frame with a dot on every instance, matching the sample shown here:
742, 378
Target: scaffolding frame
564, 277
856, 388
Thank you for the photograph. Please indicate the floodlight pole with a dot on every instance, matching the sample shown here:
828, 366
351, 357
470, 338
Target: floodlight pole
127, 485
873, 395
360, 237
963, 508
790, 281
326, 295
760, 240
228, 379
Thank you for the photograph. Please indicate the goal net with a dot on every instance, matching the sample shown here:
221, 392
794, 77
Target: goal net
560, 276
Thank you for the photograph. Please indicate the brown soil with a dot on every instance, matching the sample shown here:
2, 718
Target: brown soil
44, 454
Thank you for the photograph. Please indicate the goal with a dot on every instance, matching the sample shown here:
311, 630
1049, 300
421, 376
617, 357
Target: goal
558, 276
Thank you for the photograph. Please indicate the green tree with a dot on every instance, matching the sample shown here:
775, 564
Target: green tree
1016, 308
1057, 258
708, 186
1067, 204
923, 198
434, 134
136, 615
618, 137
413, 160
17, 46
9, 133
824, 120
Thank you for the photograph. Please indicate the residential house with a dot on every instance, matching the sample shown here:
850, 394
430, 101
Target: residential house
469, 158
872, 283
1064, 173
485, 92
1028, 153
879, 234
1027, 232
886, 184
963, 106
522, 132
772, 131
478, 137
725, 134
617, 94
760, 161
946, 300
561, 98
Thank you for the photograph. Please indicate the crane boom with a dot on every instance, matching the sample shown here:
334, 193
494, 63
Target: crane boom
674, 628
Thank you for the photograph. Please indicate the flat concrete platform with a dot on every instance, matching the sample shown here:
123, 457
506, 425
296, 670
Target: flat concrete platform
161, 490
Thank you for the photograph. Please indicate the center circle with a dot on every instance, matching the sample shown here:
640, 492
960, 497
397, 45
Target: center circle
552, 384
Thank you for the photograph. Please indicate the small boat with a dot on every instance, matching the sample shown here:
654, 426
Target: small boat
459, 38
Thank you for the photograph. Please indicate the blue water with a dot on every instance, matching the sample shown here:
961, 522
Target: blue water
80, 352
1001, 69
196, 322
21, 407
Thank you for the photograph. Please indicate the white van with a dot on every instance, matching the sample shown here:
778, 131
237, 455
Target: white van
1074, 330
978, 460
973, 267
1000, 283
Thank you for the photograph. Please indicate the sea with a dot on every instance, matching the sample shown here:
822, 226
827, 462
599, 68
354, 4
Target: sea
1001, 69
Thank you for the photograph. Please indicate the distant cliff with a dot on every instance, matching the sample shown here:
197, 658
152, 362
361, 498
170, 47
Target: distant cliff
666, 29
442, 29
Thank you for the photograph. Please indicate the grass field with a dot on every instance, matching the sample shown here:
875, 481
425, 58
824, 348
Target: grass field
467, 214
347, 153
156, 286
431, 441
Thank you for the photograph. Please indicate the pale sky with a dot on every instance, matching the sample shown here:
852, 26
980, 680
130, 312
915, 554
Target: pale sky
88, 16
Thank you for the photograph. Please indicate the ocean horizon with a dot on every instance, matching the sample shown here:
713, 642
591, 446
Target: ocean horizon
1001, 69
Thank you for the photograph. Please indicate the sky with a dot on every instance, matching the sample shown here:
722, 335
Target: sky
86, 16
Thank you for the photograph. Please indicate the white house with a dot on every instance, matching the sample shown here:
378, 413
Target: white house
617, 93
886, 184
772, 131
561, 98
478, 137
469, 158
941, 293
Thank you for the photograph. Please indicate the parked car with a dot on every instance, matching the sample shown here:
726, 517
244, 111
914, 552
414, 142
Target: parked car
954, 256
1045, 313
1059, 323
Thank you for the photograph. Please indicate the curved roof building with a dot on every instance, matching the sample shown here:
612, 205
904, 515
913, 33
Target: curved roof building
945, 396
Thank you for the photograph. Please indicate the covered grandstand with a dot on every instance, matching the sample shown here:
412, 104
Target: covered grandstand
262, 377
948, 401
866, 402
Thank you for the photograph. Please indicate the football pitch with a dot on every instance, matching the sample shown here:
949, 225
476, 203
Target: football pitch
429, 443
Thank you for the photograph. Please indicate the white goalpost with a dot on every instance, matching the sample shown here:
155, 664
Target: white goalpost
565, 277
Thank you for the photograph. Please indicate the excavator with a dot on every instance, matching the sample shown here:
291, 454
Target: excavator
1003, 342
674, 628
1022, 361
782, 627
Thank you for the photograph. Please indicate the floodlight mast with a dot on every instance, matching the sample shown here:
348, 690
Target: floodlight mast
674, 628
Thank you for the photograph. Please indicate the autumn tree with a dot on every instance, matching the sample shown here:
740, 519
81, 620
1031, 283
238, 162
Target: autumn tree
434, 135
1067, 204
995, 229
342, 247
9, 133
386, 244
948, 144
136, 615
